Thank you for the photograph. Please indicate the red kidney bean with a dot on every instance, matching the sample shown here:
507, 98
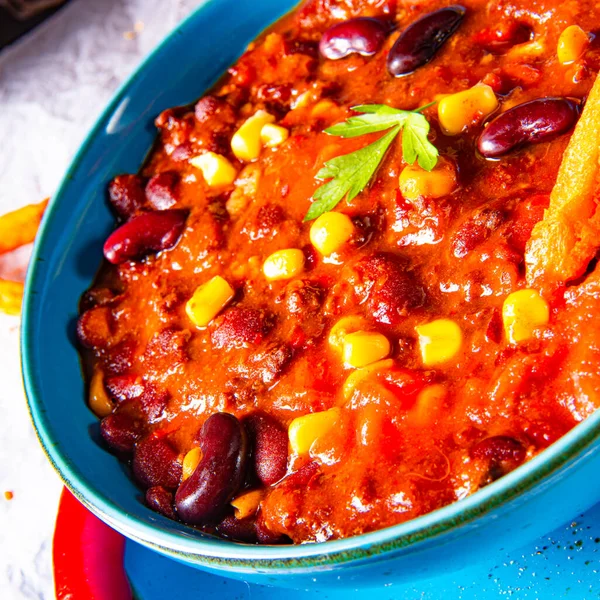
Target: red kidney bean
124, 387
241, 530
95, 328
362, 35
160, 500
214, 108
239, 327
530, 123
270, 445
498, 449
421, 40
126, 195
155, 463
119, 359
389, 290
503, 36
145, 234
204, 496
122, 428
161, 190
475, 230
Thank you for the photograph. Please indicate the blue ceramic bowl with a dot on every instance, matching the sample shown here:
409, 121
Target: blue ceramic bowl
532, 500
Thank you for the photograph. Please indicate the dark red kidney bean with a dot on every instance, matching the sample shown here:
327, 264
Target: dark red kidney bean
270, 445
95, 328
241, 530
239, 327
154, 402
119, 359
124, 387
362, 35
421, 40
499, 449
530, 123
122, 429
210, 107
145, 234
503, 36
155, 463
204, 496
161, 190
126, 195
389, 290
96, 297
475, 230
160, 500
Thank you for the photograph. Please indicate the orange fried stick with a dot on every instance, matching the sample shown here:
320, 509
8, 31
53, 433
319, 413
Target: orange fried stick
564, 242
17, 228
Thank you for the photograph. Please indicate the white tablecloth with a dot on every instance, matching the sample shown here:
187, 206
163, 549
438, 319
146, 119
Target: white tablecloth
53, 84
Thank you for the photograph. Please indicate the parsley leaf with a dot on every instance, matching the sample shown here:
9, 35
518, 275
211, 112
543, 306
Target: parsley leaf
349, 174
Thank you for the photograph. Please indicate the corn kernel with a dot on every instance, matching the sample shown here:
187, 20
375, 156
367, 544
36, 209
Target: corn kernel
522, 312
439, 341
216, 169
246, 504
100, 404
344, 326
190, 461
304, 431
273, 135
571, 44
284, 264
246, 143
416, 182
354, 379
324, 108
208, 300
330, 232
428, 404
362, 348
457, 111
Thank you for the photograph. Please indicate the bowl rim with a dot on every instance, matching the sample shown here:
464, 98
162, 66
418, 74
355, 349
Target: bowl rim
232, 555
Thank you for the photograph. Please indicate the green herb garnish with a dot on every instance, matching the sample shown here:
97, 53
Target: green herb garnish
349, 174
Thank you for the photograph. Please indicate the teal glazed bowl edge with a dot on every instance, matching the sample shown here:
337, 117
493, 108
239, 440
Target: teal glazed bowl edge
542, 494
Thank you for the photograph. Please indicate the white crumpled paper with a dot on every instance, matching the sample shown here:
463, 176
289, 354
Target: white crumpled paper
53, 84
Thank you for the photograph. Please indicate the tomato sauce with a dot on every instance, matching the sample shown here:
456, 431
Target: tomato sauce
409, 437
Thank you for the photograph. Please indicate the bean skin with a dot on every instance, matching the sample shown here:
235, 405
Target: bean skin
421, 40
362, 35
145, 234
535, 121
204, 496
270, 442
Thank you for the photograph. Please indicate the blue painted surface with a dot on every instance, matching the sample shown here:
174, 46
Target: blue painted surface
564, 564
535, 498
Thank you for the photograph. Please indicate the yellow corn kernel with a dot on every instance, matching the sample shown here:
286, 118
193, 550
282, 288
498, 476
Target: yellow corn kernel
416, 182
208, 300
344, 326
522, 312
330, 232
100, 404
216, 169
439, 341
304, 431
428, 404
571, 44
323, 108
353, 380
273, 135
457, 111
190, 461
284, 264
246, 143
362, 348
246, 504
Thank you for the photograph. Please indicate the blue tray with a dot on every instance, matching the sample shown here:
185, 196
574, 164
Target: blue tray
564, 564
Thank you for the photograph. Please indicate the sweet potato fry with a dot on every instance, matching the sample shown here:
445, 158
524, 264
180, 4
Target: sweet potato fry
19, 227
11, 296
564, 242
